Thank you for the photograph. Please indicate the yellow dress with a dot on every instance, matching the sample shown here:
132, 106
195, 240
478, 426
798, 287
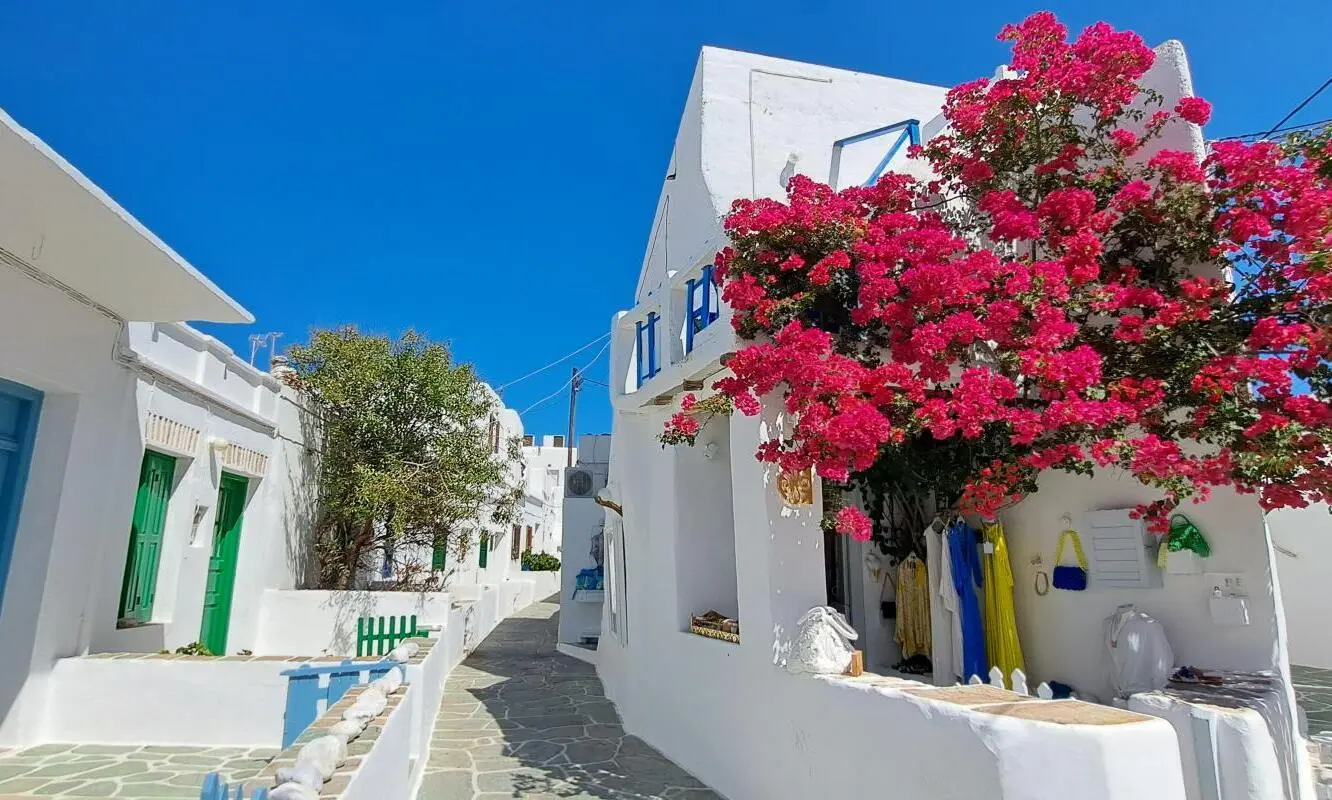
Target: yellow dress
913, 608
1001, 636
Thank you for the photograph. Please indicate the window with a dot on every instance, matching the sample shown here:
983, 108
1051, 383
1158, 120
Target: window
558, 441
705, 563
440, 554
139, 588
529, 537
701, 296
514, 548
483, 552
494, 435
386, 569
528, 440
647, 347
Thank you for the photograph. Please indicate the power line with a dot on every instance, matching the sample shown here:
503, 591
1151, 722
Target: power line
565, 385
1262, 135
556, 362
1299, 107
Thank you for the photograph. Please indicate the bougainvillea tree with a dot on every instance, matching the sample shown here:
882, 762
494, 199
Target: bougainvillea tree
1066, 294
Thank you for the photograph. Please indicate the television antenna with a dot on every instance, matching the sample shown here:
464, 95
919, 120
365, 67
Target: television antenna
259, 340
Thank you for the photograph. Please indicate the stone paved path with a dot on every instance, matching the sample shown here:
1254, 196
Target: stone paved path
518, 719
134, 773
1313, 690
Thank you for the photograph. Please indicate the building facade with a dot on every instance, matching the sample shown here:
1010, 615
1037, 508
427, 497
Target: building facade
705, 529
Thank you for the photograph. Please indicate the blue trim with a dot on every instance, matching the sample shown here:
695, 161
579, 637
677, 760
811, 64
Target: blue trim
11, 497
638, 353
700, 315
910, 132
653, 367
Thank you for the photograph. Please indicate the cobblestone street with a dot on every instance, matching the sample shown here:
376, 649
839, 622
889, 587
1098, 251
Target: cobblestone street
517, 719
133, 773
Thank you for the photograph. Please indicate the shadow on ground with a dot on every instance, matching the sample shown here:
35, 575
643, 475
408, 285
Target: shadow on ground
518, 719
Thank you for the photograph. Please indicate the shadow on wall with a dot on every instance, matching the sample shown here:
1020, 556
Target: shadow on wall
302, 492
553, 719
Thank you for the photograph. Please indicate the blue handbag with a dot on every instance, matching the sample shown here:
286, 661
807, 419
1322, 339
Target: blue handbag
1070, 578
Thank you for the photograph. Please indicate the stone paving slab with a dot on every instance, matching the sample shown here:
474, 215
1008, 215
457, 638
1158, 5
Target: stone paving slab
1313, 692
130, 772
520, 720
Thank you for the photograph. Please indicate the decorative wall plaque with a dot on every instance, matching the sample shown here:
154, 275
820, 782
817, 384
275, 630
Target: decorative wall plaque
797, 488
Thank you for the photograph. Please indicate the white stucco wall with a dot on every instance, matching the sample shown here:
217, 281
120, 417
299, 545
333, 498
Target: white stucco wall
169, 702
545, 482
76, 498
583, 519
313, 622
1303, 543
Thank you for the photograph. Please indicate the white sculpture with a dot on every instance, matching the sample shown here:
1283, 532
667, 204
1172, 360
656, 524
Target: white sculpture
822, 644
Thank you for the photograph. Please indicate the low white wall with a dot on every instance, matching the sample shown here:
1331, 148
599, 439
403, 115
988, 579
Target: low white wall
315, 622
583, 519
384, 772
1303, 539
167, 701
425, 686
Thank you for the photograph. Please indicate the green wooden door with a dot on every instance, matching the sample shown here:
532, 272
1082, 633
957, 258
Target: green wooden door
222, 564
139, 587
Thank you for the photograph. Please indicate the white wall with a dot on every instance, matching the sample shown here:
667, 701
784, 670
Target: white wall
715, 708
169, 702
313, 622
1303, 540
545, 482
80, 491
583, 519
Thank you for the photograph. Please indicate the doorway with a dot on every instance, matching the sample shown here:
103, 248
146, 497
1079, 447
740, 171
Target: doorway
222, 563
19, 408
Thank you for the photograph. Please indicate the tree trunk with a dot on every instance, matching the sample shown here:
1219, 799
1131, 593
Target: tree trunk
352, 557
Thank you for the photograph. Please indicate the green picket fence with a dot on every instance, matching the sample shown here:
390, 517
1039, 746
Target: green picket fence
376, 636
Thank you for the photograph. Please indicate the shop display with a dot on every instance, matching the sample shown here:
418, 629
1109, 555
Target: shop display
913, 607
965, 565
1070, 577
1001, 634
715, 625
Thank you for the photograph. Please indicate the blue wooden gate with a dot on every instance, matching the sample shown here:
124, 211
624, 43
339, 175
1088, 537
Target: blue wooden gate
19, 407
308, 685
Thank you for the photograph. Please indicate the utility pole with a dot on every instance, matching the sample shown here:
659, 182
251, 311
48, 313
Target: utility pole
575, 383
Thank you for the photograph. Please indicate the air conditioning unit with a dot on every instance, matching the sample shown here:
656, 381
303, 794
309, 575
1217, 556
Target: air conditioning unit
582, 482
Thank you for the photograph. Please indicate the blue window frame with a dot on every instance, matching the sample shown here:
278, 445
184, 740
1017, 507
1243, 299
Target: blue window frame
646, 332
908, 130
701, 295
19, 410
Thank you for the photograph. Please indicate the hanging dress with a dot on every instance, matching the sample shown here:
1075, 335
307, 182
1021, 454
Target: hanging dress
913, 607
1001, 637
945, 632
966, 568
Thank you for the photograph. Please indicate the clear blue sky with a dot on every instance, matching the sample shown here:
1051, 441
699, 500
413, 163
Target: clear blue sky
487, 172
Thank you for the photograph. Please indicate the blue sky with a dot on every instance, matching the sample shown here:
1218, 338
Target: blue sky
487, 172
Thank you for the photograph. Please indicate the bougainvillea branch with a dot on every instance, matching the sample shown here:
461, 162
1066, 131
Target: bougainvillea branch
1065, 294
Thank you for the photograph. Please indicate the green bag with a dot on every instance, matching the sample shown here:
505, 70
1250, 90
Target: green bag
1184, 535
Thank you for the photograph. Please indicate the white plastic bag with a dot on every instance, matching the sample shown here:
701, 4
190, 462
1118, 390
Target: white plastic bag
348, 729
372, 699
1140, 654
404, 652
390, 681
822, 644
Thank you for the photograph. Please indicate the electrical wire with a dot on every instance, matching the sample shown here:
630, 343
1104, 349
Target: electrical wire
554, 363
1299, 107
565, 385
1262, 135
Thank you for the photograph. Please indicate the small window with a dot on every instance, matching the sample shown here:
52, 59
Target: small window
528, 440
558, 440
483, 552
439, 556
529, 537
515, 548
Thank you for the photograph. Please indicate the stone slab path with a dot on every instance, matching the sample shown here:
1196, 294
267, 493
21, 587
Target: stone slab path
1313, 691
518, 719
127, 772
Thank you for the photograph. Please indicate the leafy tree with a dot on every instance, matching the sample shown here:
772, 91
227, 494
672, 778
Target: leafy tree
412, 455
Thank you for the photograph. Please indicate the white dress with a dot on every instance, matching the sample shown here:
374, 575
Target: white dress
945, 624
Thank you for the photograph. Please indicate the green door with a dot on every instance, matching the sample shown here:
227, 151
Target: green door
222, 564
145, 540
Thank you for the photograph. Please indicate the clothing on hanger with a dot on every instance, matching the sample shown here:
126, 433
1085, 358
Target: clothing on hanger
913, 607
966, 570
945, 627
1001, 636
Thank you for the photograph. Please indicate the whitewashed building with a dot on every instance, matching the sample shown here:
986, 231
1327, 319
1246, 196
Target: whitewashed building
545, 462
704, 528
108, 410
584, 543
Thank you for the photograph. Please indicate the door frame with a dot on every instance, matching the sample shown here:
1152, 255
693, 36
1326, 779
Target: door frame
25, 445
226, 481
163, 459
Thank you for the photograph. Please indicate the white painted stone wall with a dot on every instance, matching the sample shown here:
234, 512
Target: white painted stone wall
1303, 542
315, 622
545, 481
583, 519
